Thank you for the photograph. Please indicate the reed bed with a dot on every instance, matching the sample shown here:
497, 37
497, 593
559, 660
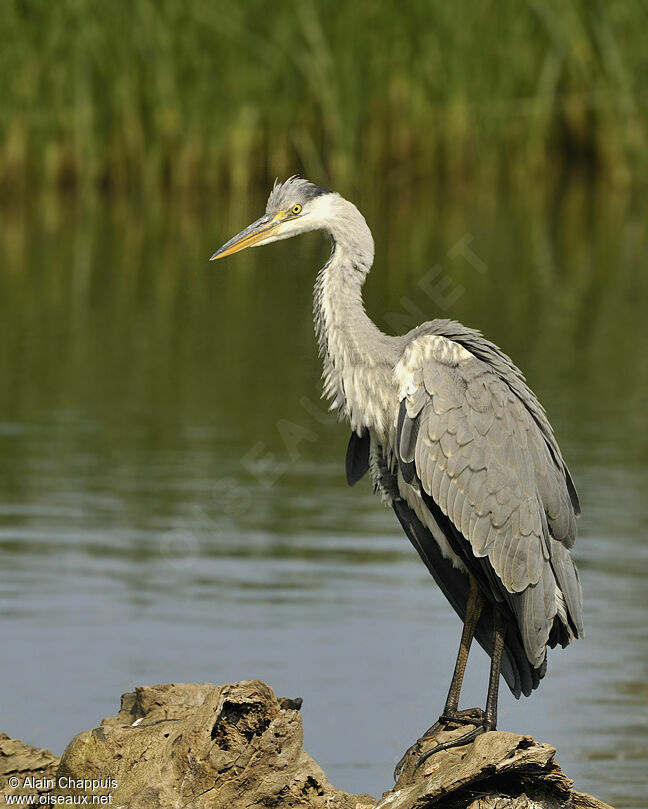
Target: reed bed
164, 95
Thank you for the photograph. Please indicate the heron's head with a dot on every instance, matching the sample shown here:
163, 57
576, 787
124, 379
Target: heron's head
295, 206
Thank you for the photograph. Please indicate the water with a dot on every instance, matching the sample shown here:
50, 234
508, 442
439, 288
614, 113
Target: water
172, 496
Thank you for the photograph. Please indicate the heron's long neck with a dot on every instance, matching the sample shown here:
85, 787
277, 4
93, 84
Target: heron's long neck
356, 354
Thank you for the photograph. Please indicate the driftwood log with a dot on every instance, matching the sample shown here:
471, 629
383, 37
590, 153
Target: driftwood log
240, 747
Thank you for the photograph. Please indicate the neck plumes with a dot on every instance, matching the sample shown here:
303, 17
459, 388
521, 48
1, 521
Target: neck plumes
357, 371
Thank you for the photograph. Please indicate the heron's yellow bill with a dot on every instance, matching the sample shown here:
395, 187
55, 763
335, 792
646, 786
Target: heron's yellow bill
253, 234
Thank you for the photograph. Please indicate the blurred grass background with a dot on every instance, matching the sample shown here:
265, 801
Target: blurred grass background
161, 95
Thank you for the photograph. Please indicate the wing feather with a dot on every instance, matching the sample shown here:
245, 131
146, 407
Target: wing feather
487, 458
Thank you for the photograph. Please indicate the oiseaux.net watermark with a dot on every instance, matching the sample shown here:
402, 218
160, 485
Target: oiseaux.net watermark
68, 791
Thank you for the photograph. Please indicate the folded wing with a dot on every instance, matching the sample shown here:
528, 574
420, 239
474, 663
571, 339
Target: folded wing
475, 458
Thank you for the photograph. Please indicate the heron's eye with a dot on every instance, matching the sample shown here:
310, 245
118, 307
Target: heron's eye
296, 209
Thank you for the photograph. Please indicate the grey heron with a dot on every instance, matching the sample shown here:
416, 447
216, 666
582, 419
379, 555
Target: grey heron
458, 445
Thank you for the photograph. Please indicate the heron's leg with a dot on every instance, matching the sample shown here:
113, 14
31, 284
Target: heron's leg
474, 607
488, 720
499, 636
451, 712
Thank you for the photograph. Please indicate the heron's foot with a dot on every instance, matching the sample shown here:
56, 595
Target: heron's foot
458, 741
447, 721
470, 716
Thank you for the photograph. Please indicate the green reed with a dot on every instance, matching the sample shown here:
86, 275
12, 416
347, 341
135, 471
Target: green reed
156, 95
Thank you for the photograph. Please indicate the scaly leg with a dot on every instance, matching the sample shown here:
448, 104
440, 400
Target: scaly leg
473, 612
451, 713
488, 718
499, 636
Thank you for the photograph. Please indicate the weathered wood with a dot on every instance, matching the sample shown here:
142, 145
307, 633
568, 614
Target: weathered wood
240, 747
31, 765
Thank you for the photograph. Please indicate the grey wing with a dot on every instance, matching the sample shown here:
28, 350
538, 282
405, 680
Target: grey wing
503, 365
468, 446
